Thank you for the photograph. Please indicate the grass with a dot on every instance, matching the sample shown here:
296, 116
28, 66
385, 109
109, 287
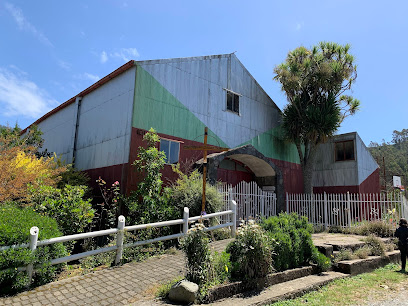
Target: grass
354, 290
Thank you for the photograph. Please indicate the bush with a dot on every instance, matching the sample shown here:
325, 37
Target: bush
323, 263
251, 252
15, 224
221, 267
196, 247
187, 191
292, 234
344, 254
378, 228
362, 252
67, 206
376, 245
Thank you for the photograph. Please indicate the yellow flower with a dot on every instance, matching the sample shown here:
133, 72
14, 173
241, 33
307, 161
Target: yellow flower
226, 268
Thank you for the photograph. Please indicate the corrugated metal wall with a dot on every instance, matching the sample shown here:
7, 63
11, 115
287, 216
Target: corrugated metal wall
366, 163
105, 123
192, 93
59, 131
328, 172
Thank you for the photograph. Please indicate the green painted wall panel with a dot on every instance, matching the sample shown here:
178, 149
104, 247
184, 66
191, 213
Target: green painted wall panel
272, 144
155, 107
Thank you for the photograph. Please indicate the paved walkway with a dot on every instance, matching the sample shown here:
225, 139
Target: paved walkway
132, 283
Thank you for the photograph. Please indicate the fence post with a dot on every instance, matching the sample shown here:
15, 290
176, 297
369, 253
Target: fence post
119, 239
234, 218
402, 198
326, 223
33, 245
287, 203
348, 209
186, 214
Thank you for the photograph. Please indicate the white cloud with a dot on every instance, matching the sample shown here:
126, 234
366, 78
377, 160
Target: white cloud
22, 97
64, 65
124, 54
88, 76
25, 25
104, 57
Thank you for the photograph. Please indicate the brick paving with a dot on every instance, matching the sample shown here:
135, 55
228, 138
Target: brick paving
132, 283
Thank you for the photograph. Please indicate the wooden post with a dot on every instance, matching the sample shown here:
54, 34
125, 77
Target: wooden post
119, 239
204, 172
205, 149
33, 245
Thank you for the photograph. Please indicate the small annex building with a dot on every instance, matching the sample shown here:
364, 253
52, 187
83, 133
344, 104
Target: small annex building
101, 128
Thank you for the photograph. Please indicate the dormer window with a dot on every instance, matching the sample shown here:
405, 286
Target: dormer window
344, 150
233, 102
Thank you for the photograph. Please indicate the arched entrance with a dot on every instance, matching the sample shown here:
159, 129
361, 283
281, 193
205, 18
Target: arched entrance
266, 174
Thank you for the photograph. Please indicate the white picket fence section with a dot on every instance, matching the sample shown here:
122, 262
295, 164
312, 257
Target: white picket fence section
252, 201
345, 210
119, 231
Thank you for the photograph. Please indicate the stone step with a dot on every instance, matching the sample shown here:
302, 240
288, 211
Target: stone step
283, 291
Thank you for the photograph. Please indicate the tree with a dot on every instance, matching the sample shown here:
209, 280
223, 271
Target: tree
315, 82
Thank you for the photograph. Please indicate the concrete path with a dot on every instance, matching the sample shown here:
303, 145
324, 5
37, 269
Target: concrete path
132, 283
282, 291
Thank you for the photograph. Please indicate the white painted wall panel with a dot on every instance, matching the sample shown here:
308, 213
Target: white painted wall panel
328, 172
58, 131
105, 123
199, 84
366, 163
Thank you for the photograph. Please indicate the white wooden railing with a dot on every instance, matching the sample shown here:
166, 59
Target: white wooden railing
120, 230
252, 201
348, 209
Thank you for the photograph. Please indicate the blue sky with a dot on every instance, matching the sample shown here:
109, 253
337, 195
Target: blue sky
52, 50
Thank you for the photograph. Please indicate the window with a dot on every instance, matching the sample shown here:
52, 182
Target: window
172, 150
232, 102
344, 150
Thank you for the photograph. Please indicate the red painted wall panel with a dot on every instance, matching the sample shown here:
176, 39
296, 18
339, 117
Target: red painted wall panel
372, 183
292, 173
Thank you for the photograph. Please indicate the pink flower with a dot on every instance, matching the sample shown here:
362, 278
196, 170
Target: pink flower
115, 183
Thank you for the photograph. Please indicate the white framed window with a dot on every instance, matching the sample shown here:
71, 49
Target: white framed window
233, 101
171, 149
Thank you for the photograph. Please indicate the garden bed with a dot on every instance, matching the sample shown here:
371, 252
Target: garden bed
231, 289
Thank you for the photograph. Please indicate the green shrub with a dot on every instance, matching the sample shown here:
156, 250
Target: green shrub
15, 224
221, 267
376, 245
292, 234
196, 247
362, 252
187, 192
378, 228
67, 206
282, 251
323, 263
251, 252
344, 254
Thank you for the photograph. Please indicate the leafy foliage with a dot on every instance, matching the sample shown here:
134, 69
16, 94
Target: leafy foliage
19, 167
67, 206
294, 246
13, 232
196, 247
150, 202
315, 81
251, 252
187, 191
395, 154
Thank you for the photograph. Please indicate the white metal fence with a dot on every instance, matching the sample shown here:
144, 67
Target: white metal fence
346, 210
119, 231
252, 202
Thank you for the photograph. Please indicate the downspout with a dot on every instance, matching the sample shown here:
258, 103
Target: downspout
78, 101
